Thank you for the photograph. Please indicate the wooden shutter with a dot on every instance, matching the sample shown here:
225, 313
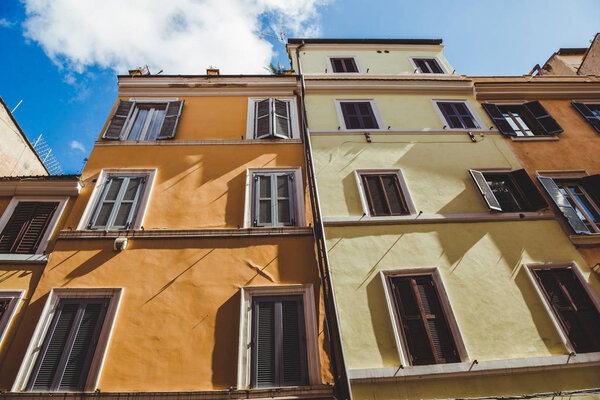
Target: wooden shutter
384, 195
172, 115
501, 123
540, 116
591, 185
26, 227
589, 116
262, 119
65, 357
530, 191
570, 303
281, 119
118, 120
457, 115
563, 205
485, 190
358, 115
424, 324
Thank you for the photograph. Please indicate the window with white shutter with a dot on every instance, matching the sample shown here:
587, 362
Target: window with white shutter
272, 118
273, 199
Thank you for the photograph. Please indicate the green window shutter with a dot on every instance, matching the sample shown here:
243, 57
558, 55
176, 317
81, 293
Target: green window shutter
262, 119
496, 115
589, 116
171, 120
485, 190
544, 121
118, 120
563, 205
531, 193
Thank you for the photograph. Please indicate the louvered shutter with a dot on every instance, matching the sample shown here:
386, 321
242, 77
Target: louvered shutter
350, 114
563, 205
262, 119
592, 187
26, 227
532, 194
293, 343
118, 120
281, 119
501, 123
589, 116
545, 122
264, 344
172, 115
485, 190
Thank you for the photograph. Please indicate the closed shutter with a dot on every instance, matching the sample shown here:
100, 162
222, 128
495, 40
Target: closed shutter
589, 116
457, 115
274, 200
281, 119
532, 195
64, 360
545, 122
424, 324
592, 187
501, 123
118, 205
485, 190
118, 120
563, 205
172, 115
384, 195
358, 115
26, 227
577, 314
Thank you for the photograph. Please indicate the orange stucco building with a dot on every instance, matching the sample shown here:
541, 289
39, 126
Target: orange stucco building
187, 263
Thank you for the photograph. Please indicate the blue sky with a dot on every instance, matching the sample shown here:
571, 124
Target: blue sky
61, 56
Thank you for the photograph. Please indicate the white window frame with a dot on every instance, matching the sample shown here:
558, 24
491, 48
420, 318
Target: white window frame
8, 212
478, 121
299, 193
376, 113
363, 194
540, 292
313, 360
101, 181
444, 300
436, 58
14, 297
293, 107
131, 117
330, 65
45, 320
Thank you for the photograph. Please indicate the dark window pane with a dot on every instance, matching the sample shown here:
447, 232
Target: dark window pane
377, 197
132, 188
122, 215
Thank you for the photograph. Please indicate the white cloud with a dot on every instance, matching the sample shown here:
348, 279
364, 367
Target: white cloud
4, 23
178, 36
75, 145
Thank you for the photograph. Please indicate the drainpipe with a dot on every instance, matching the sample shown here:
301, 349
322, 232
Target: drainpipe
342, 384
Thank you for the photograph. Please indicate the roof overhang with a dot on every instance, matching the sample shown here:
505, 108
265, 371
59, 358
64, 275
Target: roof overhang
40, 186
584, 89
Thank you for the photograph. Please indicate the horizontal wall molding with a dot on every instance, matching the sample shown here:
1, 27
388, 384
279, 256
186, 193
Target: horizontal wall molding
23, 258
40, 187
203, 91
438, 218
195, 142
538, 90
454, 132
473, 368
591, 240
391, 85
186, 233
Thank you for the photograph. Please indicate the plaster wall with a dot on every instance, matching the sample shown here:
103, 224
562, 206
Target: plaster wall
591, 64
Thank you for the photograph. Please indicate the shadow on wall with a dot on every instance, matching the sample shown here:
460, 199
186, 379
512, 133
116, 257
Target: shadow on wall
225, 353
382, 325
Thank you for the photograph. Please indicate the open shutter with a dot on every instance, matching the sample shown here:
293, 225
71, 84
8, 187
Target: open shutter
501, 123
563, 205
532, 195
118, 120
485, 190
262, 119
545, 122
589, 116
281, 119
172, 115
592, 187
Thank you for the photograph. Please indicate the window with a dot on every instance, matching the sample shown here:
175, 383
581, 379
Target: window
65, 357
272, 118
508, 191
358, 115
457, 115
385, 193
274, 199
138, 120
8, 306
26, 227
591, 113
528, 119
572, 306
577, 199
279, 345
427, 66
425, 324
341, 65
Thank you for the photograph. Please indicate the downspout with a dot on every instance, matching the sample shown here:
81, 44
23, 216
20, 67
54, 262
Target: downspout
342, 383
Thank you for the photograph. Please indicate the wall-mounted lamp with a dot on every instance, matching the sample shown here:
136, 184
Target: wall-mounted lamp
120, 244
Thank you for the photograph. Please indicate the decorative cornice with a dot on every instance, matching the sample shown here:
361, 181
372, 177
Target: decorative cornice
437, 218
186, 233
23, 258
389, 85
41, 187
195, 142
530, 90
591, 240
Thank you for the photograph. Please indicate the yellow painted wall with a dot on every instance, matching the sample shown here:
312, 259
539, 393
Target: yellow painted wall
397, 61
398, 112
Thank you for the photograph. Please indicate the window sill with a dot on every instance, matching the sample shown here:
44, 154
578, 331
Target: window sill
185, 233
175, 142
534, 138
590, 240
23, 258
472, 368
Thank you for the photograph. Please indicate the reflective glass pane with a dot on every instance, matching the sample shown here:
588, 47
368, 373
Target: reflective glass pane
103, 214
122, 215
113, 190
132, 188
282, 186
264, 184
264, 211
155, 124
138, 125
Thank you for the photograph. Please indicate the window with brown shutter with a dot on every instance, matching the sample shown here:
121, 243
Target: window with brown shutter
358, 115
384, 194
424, 323
591, 113
341, 65
527, 119
577, 315
26, 227
428, 66
457, 115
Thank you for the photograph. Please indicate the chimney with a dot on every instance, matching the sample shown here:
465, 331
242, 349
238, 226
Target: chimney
212, 71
